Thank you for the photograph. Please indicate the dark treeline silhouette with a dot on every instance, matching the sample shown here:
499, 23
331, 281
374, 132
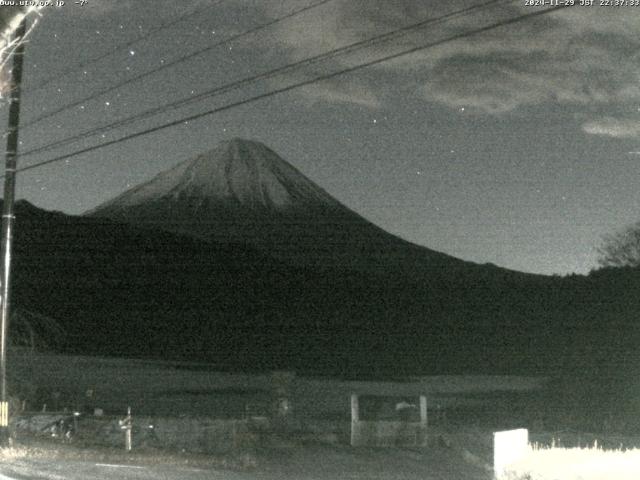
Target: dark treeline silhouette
119, 290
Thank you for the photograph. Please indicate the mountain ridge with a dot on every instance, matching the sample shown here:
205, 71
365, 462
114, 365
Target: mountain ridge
242, 191
121, 290
237, 170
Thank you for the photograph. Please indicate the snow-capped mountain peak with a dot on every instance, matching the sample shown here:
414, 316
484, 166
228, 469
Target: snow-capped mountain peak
243, 173
243, 192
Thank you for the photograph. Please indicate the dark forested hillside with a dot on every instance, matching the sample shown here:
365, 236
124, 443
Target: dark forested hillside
119, 290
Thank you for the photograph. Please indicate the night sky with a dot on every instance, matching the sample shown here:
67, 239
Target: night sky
518, 146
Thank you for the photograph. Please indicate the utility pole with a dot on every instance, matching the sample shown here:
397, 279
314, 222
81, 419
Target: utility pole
8, 217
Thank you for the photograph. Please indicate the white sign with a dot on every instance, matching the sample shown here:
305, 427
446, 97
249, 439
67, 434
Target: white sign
509, 447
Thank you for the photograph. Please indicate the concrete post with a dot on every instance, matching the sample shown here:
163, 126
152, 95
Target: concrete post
423, 421
423, 410
126, 424
355, 418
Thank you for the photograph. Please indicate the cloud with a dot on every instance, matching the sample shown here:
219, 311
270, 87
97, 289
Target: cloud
556, 59
614, 127
353, 92
575, 56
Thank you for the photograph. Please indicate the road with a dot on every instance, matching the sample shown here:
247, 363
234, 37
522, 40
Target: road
305, 463
53, 469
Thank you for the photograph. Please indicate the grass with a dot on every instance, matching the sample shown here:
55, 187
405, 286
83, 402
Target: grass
34, 448
589, 463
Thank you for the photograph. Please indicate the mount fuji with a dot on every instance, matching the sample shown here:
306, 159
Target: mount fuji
236, 258
243, 192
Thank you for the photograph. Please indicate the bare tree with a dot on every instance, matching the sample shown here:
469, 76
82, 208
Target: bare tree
621, 249
10, 19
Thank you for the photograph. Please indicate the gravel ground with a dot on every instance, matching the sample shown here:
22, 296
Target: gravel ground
303, 462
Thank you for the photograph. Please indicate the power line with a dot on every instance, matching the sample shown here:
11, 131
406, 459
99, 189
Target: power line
294, 86
265, 75
175, 62
117, 48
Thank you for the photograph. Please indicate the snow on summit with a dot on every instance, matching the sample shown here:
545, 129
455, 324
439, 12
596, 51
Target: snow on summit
243, 192
238, 172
